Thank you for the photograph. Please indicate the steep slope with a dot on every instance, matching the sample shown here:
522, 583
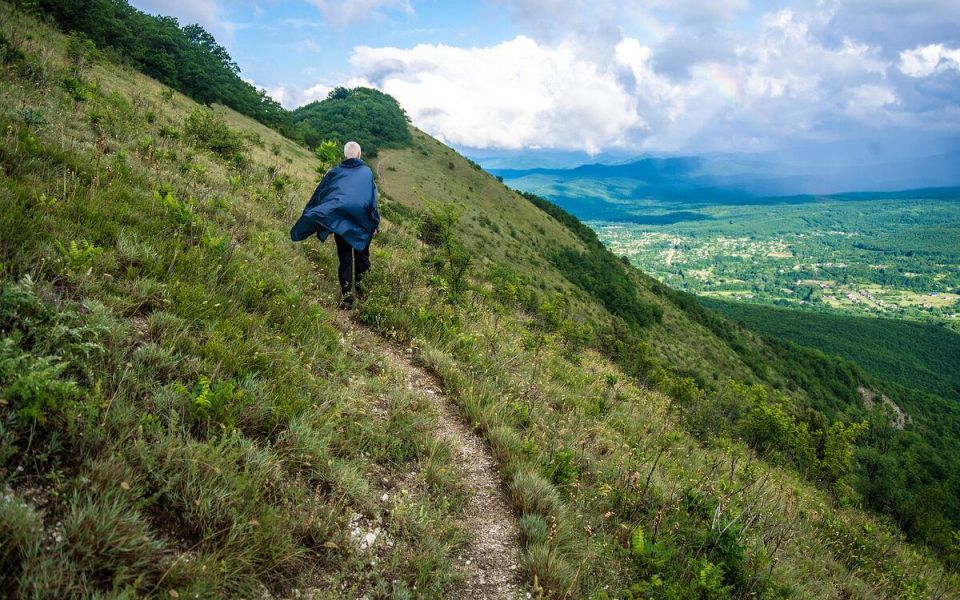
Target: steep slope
502, 228
186, 58
490, 559
184, 414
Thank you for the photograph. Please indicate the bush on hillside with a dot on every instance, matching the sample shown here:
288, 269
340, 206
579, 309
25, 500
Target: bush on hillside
598, 273
209, 131
450, 259
369, 117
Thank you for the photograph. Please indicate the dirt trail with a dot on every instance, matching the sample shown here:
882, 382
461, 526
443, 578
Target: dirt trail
490, 561
380, 161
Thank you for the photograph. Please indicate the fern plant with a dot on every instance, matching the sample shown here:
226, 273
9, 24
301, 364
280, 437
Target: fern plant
78, 256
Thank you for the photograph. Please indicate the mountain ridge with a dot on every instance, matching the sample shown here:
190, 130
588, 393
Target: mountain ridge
720, 178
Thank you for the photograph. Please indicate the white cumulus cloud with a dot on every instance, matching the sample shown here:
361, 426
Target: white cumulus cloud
588, 77
779, 82
514, 94
923, 61
291, 96
869, 100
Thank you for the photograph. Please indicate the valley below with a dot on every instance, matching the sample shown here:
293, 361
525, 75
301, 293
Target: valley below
894, 254
880, 257
853, 275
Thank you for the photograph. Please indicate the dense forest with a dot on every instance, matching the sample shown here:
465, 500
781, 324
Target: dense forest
928, 362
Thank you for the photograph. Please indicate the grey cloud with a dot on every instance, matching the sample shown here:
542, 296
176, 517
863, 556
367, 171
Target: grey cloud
939, 92
893, 25
603, 20
676, 54
430, 112
379, 71
700, 12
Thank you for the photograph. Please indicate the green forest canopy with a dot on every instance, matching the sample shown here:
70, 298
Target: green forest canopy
370, 117
928, 362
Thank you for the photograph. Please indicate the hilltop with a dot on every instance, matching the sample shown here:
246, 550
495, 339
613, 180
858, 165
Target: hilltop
186, 413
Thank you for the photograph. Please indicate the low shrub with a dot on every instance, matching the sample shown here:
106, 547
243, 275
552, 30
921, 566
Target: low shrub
108, 543
21, 530
209, 131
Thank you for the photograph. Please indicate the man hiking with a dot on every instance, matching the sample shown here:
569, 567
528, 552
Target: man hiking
345, 204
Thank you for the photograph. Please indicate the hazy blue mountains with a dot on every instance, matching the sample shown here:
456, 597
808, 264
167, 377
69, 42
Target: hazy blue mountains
615, 191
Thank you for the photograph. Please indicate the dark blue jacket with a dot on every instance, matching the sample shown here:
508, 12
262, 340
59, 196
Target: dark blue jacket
344, 203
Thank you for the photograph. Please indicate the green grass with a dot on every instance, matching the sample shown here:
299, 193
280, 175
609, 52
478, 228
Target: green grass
509, 234
183, 414
180, 413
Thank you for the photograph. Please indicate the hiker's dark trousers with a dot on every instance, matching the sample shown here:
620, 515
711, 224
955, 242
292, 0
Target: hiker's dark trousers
353, 264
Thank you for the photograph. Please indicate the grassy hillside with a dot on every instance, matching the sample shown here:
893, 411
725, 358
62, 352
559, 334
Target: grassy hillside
186, 58
180, 414
503, 229
183, 413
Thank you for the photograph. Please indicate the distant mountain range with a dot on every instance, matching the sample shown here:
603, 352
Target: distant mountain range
726, 178
527, 158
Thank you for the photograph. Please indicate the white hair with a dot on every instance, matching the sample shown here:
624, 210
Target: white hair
351, 150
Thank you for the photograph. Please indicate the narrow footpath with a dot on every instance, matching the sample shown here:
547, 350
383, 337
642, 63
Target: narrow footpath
490, 562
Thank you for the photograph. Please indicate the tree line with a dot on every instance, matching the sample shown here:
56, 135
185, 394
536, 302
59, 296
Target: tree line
189, 60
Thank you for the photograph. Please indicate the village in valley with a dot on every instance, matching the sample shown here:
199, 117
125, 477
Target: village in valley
827, 270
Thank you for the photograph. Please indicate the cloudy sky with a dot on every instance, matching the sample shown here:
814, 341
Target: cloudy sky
629, 75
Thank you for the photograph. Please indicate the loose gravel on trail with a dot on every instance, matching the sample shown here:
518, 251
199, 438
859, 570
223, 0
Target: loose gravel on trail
490, 562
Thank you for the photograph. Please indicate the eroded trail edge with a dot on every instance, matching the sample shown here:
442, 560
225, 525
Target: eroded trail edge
490, 560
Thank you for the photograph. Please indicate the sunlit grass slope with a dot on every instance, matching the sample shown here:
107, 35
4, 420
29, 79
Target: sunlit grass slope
692, 354
182, 417
500, 227
614, 498
179, 416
